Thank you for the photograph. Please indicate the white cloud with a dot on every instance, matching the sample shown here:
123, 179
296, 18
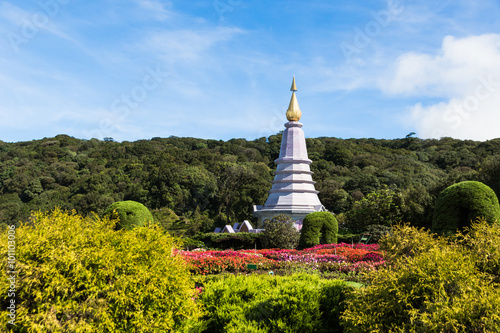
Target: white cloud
466, 74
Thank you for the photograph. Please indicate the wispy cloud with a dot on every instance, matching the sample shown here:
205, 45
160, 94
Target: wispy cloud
189, 45
156, 9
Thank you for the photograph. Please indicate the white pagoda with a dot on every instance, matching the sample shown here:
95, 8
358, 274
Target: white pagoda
292, 192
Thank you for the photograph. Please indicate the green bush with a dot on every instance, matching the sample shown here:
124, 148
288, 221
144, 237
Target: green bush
439, 290
236, 241
77, 274
382, 207
317, 226
131, 214
279, 232
262, 303
189, 244
460, 204
377, 231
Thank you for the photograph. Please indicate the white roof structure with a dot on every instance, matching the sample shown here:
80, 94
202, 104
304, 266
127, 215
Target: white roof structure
293, 192
228, 229
245, 226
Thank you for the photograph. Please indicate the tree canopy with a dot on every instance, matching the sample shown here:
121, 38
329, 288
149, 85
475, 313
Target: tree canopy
207, 183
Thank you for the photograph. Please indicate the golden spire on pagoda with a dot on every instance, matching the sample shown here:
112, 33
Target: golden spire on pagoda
293, 113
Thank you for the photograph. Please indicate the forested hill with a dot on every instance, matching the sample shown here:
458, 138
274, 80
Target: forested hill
207, 182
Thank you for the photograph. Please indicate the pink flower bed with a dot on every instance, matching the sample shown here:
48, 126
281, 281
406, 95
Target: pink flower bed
329, 257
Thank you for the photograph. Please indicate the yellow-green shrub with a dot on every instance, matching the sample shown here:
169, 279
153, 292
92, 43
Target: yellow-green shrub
438, 290
406, 241
482, 239
77, 274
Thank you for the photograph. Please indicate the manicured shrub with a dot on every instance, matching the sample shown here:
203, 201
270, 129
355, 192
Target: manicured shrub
318, 225
236, 241
460, 204
77, 274
439, 290
191, 244
131, 214
279, 233
263, 303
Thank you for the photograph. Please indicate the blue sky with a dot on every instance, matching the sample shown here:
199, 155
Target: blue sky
222, 69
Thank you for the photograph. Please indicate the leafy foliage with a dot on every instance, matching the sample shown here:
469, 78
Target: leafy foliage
236, 241
260, 303
405, 241
437, 291
130, 214
482, 239
279, 233
460, 204
207, 183
191, 244
377, 231
77, 274
429, 287
382, 207
317, 226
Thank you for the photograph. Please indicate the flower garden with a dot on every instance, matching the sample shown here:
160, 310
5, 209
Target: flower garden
343, 258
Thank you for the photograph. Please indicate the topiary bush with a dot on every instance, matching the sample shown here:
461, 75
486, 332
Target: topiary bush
279, 232
264, 303
78, 274
318, 225
130, 214
460, 204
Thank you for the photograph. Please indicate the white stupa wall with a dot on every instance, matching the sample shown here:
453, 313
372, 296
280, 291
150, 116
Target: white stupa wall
292, 192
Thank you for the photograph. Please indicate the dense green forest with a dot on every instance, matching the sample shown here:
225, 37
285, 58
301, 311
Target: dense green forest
206, 183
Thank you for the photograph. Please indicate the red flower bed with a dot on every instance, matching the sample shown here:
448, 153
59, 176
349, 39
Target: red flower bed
329, 257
